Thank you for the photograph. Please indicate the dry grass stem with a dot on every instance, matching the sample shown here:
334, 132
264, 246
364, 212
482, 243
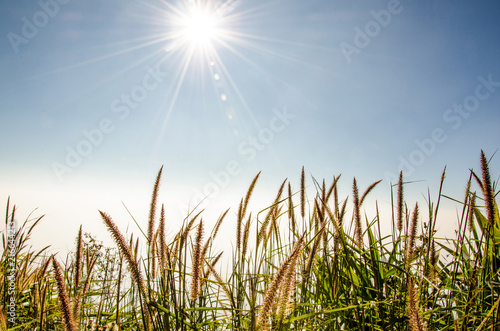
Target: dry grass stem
197, 264
400, 203
68, 320
414, 313
279, 280
488, 191
357, 217
413, 233
302, 193
152, 209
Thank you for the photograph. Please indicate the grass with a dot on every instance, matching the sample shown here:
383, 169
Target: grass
303, 263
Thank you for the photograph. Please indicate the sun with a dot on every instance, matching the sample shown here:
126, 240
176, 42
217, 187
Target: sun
200, 27
197, 38
197, 25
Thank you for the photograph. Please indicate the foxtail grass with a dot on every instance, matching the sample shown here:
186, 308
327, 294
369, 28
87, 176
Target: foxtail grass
64, 301
281, 280
487, 191
302, 193
197, 263
357, 215
308, 269
132, 265
400, 203
410, 249
414, 314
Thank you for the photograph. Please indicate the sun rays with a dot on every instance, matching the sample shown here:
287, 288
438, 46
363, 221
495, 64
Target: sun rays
205, 46
196, 33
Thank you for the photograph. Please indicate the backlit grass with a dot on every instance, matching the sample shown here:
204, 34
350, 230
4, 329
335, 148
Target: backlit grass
306, 262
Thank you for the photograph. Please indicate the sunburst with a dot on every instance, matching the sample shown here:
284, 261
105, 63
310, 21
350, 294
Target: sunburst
201, 27
191, 40
196, 26
196, 31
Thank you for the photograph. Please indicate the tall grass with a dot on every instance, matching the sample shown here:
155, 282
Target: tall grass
318, 262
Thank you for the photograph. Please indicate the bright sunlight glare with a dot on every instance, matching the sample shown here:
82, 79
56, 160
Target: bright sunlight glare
193, 29
200, 27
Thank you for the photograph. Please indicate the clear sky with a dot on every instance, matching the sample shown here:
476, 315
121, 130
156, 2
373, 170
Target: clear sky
98, 95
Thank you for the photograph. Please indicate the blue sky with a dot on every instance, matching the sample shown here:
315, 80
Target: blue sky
96, 96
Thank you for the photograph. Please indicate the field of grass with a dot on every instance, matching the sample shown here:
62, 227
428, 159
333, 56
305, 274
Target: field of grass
307, 262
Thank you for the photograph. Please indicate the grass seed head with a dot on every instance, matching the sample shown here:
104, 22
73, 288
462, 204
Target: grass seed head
487, 190
64, 302
400, 203
197, 263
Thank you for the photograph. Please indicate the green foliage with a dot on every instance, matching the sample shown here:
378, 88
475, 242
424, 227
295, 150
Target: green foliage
307, 270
